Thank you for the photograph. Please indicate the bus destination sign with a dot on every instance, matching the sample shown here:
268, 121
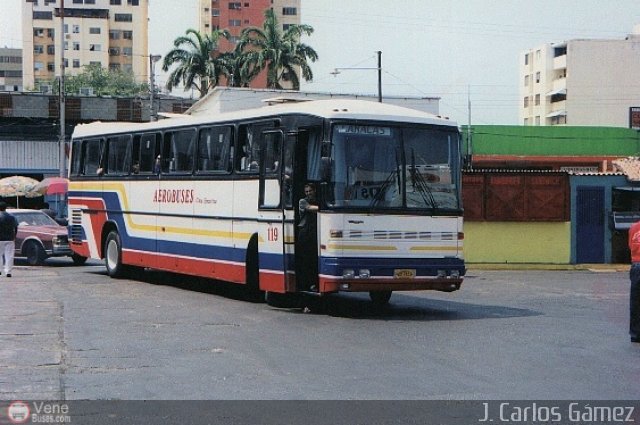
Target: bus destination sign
367, 130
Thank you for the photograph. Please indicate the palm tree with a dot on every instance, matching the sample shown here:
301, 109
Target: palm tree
277, 51
198, 64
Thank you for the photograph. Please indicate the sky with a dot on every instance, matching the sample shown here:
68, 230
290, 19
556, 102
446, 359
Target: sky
452, 49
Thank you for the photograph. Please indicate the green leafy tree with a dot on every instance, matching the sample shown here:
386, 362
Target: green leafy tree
277, 51
197, 63
103, 81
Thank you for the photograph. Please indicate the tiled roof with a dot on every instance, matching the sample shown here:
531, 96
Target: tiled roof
629, 166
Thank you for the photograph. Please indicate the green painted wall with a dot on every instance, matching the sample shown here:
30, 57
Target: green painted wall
552, 141
517, 242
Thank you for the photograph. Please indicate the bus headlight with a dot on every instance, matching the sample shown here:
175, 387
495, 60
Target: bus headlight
455, 274
348, 274
364, 273
441, 274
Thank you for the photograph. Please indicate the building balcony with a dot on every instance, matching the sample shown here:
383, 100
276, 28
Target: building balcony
560, 62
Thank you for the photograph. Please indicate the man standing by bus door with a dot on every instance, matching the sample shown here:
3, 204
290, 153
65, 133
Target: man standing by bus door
634, 276
8, 231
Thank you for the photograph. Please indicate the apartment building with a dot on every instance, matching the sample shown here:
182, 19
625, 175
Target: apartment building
235, 16
10, 69
581, 82
111, 33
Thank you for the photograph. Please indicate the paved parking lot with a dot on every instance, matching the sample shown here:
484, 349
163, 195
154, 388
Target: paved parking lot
73, 333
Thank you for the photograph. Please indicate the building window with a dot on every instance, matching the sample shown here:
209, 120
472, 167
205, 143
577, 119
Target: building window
114, 51
215, 12
66, 28
66, 63
89, 1
43, 15
76, 45
538, 54
538, 77
51, 67
115, 2
526, 121
94, 30
537, 100
289, 11
134, 2
114, 34
38, 32
51, 49
538, 120
114, 66
38, 66
526, 59
76, 63
76, 29
235, 22
77, 1
95, 63
127, 35
38, 49
50, 33
235, 5
124, 17
127, 51
286, 26
66, 45
526, 101
526, 80
95, 47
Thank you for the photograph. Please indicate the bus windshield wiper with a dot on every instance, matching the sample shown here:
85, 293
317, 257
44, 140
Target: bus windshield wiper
420, 184
385, 185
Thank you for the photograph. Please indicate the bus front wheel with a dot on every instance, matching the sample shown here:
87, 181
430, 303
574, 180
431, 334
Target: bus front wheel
380, 298
113, 255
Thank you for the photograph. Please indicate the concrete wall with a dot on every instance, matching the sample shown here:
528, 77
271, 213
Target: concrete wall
517, 242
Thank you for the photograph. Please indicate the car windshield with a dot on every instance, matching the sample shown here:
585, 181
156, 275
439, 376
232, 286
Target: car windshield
34, 219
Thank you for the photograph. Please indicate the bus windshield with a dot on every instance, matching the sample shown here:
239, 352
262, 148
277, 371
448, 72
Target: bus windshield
394, 167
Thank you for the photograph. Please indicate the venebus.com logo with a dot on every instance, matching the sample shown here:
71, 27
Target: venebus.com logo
19, 412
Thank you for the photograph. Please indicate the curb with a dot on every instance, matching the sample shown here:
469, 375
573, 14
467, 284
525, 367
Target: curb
596, 268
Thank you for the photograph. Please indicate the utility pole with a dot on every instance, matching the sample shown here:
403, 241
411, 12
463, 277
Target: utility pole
152, 85
336, 71
62, 141
380, 76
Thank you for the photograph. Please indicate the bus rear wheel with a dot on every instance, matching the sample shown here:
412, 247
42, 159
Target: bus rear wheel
113, 255
278, 300
380, 298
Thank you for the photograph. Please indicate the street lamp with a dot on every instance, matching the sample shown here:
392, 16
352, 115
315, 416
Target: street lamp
336, 71
152, 84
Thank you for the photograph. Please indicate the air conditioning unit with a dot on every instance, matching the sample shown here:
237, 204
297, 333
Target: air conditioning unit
45, 88
86, 91
67, 36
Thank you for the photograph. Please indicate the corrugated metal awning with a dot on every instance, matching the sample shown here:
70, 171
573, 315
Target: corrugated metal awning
557, 91
557, 114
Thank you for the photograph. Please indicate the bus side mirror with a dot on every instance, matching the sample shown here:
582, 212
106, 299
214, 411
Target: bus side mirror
326, 165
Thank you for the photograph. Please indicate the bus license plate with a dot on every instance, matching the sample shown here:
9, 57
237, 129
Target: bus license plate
404, 273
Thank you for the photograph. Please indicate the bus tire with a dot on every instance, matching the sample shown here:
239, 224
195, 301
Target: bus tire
252, 273
113, 255
78, 259
278, 300
380, 298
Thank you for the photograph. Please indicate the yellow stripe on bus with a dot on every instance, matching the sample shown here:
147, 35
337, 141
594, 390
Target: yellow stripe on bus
119, 188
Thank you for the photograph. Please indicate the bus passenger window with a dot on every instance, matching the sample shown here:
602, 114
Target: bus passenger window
92, 157
119, 155
214, 149
145, 147
178, 148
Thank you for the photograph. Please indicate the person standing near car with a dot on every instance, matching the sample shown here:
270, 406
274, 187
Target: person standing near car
634, 276
8, 231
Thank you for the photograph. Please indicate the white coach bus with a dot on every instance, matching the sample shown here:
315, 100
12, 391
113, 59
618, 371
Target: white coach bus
218, 196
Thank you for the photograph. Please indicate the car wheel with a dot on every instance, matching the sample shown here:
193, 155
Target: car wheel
35, 253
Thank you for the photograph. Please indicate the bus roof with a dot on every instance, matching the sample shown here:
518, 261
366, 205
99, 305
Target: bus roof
330, 109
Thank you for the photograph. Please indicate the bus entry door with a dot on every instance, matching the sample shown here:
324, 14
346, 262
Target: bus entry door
275, 213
